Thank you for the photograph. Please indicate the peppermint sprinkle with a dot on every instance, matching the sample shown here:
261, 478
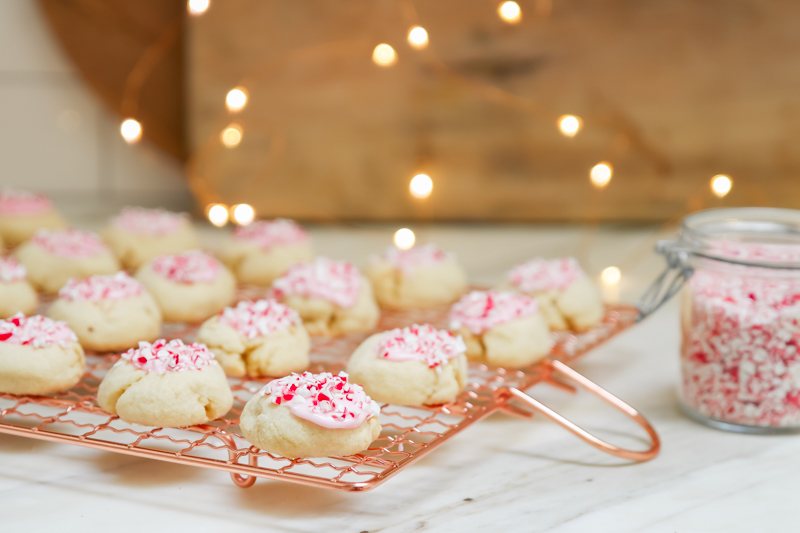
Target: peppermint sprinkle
418, 256
540, 274
259, 318
193, 266
13, 202
118, 286
72, 243
148, 221
11, 270
173, 356
324, 399
335, 281
479, 311
269, 233
37, 331
420, 343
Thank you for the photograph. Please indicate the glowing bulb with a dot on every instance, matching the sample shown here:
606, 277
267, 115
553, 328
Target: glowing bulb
197, 7
510, 12
236, 99
131, 130
611, 275
243, 214
570, 125
231, 136
404, 238
384, 55
721, 185
217, 214
601, 174
418, 37
421, 186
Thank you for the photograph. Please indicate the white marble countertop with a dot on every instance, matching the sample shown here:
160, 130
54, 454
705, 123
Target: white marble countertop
503, 474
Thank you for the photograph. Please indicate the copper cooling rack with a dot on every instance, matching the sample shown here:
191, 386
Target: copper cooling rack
408, 433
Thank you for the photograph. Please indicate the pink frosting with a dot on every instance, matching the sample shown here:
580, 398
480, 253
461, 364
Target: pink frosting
324, 399
173, 356
335, 281
117, 286
540, 274
193, 266
479, 311
145, 221
418, 256
71, 243
37, 331
269, 233
23, 203
420, 343
259, 318
11, 270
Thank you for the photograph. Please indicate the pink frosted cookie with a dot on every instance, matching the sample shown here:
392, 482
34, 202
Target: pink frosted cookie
38, 356
16, 294
311, 415
416, 365
166, 384
189, 286
22, 213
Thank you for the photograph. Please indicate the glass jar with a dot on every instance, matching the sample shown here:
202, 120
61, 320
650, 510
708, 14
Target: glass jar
740, 317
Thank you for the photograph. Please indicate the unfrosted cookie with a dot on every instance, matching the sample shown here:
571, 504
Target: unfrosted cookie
501, 328
423, 276
138, 234
54, 256
331, 296
38, 356
567, 298
311, 415
416, 365
16, 294
259, 339
108, 313
166, 384
22, 213
188, 287
264, 250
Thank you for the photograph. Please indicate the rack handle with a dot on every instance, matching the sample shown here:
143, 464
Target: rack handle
558, 367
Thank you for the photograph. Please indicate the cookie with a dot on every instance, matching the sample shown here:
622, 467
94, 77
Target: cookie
108, 313
501, 328
259, 339
423, 276
311, 415
137, 235
332, 297
23, 213
166, 384
38, 356
417, 365
16, 294
188, 287
263, 251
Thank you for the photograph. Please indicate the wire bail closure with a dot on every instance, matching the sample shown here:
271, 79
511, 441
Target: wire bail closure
670, 281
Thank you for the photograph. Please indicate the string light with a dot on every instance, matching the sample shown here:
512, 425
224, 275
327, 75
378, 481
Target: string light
570, 125
404, 238
721, 185
418, 37
231, 136
611, 275
236, 99
601, 174
421, 186
217, 214
243, 214
197, 7
384, 55
131, 130
510, 12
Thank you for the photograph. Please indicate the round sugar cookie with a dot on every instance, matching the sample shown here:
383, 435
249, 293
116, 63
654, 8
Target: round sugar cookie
23, 213
16, 294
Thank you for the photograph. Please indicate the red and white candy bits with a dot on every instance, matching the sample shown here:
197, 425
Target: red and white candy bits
324, 399
117, 286
13, 202
335, 281
11, 270
269, 233
539, 275
259, 318
193, 266
37, 331
418, 256
173, 356
480, 311
71, 243
432, 346
145, 221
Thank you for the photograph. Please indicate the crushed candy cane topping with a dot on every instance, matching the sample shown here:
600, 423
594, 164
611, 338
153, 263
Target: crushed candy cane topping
11, 270
37, 331
756, 252
336, 281
418, 256
14, 202
480, 311
117, 286
148, 221
432, 346
324, 399
269, 233
193, 266
69, 242
540, 274
173, 356
259, 318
